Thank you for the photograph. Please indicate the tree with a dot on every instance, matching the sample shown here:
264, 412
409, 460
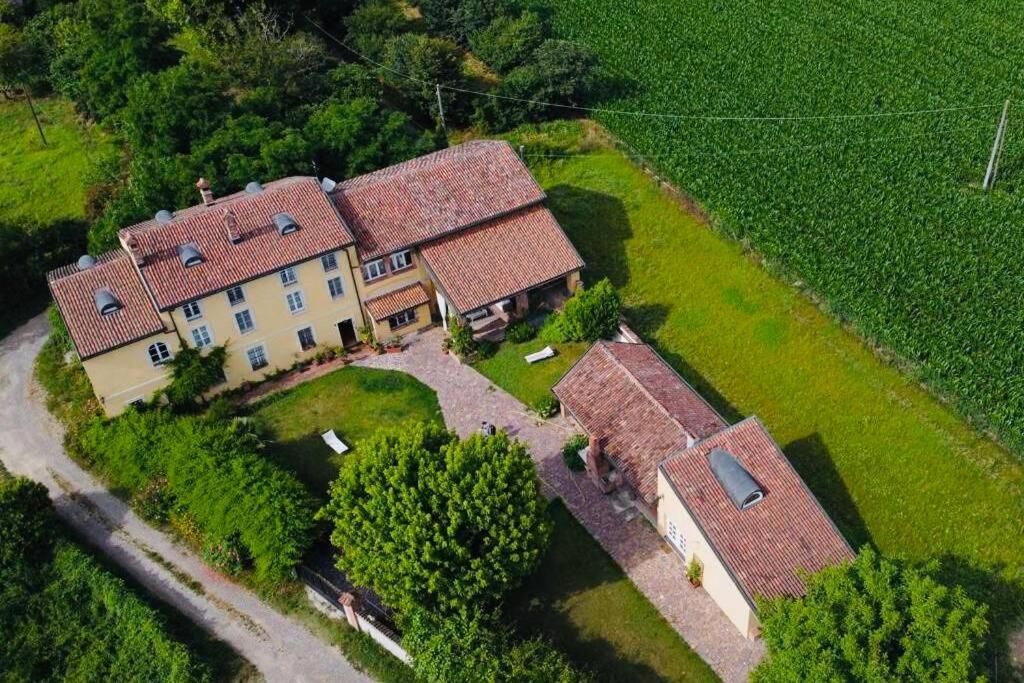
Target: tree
507, 41
428, 61
26, 525
249, 147
372, 24
433, 522
193, 374
591, 314
873, 619
459, 19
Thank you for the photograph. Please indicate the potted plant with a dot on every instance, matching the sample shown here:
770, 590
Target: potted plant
694, 572
394, 344
446, 345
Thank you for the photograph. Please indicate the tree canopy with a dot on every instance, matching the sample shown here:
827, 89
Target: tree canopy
430, 521
875, 619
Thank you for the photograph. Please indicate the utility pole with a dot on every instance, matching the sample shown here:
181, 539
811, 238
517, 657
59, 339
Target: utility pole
997, 150
440, 109
35, 115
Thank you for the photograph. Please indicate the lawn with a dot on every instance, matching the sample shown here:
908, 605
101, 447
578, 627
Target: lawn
40, 182
529, 383
354, 402
892, 465
582, 601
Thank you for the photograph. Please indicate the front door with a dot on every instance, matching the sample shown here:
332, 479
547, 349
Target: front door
348, 333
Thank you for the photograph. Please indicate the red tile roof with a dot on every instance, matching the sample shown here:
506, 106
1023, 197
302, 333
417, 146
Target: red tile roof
643, 411
92, 333
764, 545
261, 250
425, 198
385, 305
500, 258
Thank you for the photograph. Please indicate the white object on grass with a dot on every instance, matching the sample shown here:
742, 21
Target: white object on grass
332, 440
546, 352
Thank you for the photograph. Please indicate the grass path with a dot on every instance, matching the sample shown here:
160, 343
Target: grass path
892, 465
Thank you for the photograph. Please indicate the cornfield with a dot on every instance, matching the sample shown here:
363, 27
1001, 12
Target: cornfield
881, 216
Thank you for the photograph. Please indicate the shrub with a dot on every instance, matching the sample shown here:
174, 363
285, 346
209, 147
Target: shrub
193, 374
545, 406
571, 452
591, 314
459, 19
520, 332
226, 555
154, 502
508, 41
461, 334
694, 571
429, 61
485, 348
372, 24
58, 330
430, 521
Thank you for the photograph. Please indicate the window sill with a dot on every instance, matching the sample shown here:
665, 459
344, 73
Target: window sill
259, 367
403, 325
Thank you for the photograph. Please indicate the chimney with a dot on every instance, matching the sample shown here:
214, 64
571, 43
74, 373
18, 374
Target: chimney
231, 226
597, 466
132, 242
204, 191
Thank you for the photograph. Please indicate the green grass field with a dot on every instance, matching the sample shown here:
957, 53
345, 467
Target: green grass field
582, 601
892, 465
528, 383
354, 402
881, 215
45, 183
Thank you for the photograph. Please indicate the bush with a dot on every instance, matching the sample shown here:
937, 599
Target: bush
520, 332
461, 335
430, 61
193, 374
508, 42
571, 452
226, 555
372, 24
459, 19
545, 406
591, 314
154, 502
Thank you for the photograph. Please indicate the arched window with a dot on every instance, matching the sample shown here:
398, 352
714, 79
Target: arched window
159, 353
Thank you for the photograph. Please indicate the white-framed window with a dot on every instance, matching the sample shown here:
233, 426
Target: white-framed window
306, 338
296, 304
336, 287
288, 276
192, 310
374, 270
159, 353
676, 538
236, 295
201, 336
402, 318
329, 262
402, 259
257, 356
244, 321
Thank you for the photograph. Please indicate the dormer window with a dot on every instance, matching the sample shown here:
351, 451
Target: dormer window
373, 270
741, 488
402, 259
285, 224
106, 302
189, 255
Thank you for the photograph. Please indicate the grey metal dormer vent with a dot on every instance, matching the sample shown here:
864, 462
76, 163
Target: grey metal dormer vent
742, 489
189, 255
328, 185
106, 302
163, 216
285, 224
253, 187
86, 261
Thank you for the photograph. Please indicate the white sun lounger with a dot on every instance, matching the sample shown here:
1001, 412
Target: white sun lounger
332, 440
546, 352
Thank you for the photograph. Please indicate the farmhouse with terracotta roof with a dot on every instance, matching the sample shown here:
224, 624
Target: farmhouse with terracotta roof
724, 497
284, 268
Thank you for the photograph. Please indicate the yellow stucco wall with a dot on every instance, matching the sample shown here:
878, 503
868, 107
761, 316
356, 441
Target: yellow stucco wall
716, 580
391, 282
276, 327
382, 330
125, 374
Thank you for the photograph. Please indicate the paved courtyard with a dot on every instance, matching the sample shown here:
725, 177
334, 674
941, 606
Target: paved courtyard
467, 398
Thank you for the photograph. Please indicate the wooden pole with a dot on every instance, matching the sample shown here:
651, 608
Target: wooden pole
440, 109
997, 150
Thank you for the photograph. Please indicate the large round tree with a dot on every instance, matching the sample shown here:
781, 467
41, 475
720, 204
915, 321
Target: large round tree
874, 619
431, 521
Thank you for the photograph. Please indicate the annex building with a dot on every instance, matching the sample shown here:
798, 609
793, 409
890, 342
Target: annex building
280, 269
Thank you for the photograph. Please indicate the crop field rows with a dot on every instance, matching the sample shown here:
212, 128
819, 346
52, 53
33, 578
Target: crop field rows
882, 215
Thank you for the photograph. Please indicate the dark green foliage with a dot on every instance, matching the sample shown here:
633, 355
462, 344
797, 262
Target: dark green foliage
545, 406
430, 61
571, 452
430, 521
63, 617
459, 19
461, 337
519, 332
591, 314
249, 147
193, 374
477, 648
508, 41
27, 252
154, 502
215, 473
372, 24
226, 555
19, 57
872, 620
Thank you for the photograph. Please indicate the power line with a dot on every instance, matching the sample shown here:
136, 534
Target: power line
661, 115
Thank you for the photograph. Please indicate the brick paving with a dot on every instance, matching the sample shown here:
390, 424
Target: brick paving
467, 398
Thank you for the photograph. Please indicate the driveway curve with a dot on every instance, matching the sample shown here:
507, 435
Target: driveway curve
30, 445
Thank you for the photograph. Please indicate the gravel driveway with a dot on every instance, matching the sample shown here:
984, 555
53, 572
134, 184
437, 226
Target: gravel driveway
30, 445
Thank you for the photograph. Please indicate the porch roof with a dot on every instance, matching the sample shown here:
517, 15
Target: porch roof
500, 258
385, 305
